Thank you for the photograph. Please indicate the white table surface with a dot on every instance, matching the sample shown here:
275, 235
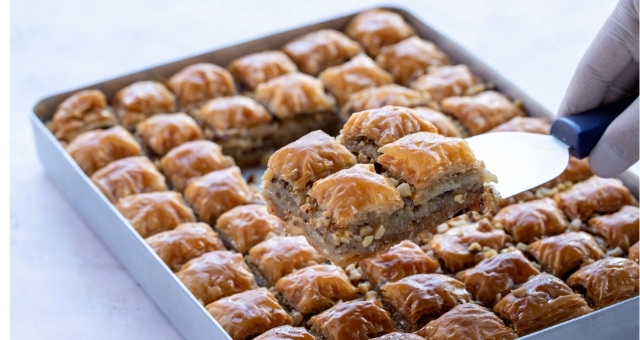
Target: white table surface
65, 284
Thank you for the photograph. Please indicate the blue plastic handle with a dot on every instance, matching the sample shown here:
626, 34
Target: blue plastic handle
583, 131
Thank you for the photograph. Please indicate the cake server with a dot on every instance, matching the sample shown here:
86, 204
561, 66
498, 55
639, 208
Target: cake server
522, 161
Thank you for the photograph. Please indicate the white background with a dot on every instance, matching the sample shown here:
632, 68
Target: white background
64, 283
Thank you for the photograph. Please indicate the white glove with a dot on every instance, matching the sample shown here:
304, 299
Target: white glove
609, 71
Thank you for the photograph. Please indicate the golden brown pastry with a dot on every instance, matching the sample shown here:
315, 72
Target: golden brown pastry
420, 298
249, 313
183, 243
541, 302
482, 112
315, 51
357, 74
377, 97
197, 83
601, 195
82, 111
577, 170
141, 100
286, 333
496, 276
467, 321
216, 274
94, 149
607, 281
366, 131
399, 336
445, 81
525, 124
280, 255
353, 320
247, 225
260, 67
153, 212
294, 93
562, 253
402, 260
128, 176
218, 192
315, 288
531, 220
620, 229
443, 123
633, 252
163, 132
411, 58
235, 112
191, 160
377, 28
462, 247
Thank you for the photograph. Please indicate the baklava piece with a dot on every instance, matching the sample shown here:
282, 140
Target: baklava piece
247, 225
633, 252
482, 112
444, 124
447, 81
496, 276
82, 111
200, 82
525, 124
607, 281
595, 195
357, 74
216, 274
462, 247
292, 170
163, 132
528, 221
377, 97
577, 170
366, 131
257, 68
562, 253
191, 160
402, 260
424, 297
357, 320
183, 243
315, 288
128, 176
218, 192
399, 336
315, 51
377, 28
411, 58
294, 94
247, 314
620, 229
467, 321
153, 212
94, 149
286, 333
541, 302
280, 255
141, 100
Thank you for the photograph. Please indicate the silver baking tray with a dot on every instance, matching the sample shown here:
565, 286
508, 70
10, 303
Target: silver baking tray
619, 321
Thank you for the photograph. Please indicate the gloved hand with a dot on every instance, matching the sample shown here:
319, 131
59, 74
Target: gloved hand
609, 71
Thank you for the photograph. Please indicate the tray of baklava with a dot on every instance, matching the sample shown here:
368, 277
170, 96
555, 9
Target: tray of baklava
280, 189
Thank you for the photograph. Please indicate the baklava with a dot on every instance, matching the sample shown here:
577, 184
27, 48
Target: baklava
218, 192
286, 333
529, 221
447, 81
162, 132
633, 252
562, 253
525, 124
377, 97
94, 149
128, 176
315, 51
247, 225
153, 212
619, 229
215, 275
377, 28
200, 82
185, 242
482, 112
257, 68
353, 320
250, 313
607, 281
596, 194
82, 111
443, 123
467, 321
541, 302
141, 100
577, 170
357, 74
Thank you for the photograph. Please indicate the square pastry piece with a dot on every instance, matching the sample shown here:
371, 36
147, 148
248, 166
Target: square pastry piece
562, 253
315, 51
595, 195
377, 97
359, 73
141, 100
377, 28
162, 132
357, 320
257, 68
620, 229
153, 212
200, 82
482, 112
467, 321
247, 225
80, 112
128, 176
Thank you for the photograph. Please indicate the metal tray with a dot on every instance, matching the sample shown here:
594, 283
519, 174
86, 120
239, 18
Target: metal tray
619, 321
